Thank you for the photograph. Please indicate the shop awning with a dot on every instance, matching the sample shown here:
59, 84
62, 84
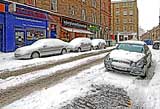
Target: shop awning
77, 30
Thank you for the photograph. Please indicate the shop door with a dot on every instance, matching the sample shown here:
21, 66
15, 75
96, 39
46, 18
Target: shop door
20, 38
1, 36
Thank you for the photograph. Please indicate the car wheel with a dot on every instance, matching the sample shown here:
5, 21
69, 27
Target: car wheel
91, 48
79, 49
64, 51
144, 74
35, 55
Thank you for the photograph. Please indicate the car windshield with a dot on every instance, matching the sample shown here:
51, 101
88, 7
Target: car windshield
131, 47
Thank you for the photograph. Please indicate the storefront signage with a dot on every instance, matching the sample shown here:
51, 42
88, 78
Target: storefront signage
73, 24
2, 7
31, 13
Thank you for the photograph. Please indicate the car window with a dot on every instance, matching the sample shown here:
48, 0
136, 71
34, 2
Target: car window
131, 47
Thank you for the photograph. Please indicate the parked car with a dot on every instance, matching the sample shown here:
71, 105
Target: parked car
81, 44
148, 41
156, 45
98, 44
133, 57
43, 47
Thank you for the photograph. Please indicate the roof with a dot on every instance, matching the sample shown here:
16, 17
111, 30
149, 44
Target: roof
133, 42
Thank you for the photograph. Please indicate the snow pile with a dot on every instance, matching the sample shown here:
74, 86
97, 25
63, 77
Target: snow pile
101, 97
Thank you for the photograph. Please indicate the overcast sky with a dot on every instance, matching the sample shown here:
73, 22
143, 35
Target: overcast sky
148, 13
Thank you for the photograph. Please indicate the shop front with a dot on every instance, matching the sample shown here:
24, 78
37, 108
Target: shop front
24, 25
2, 11
71, 29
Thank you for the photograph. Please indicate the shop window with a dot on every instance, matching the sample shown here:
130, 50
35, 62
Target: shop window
35, 34
20, 38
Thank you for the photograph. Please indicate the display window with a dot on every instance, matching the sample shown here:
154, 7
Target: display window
35, 34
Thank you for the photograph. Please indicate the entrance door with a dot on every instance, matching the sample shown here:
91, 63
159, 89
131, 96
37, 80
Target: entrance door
20, 38
1, 36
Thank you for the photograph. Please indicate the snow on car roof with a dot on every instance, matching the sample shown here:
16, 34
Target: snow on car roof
133, 42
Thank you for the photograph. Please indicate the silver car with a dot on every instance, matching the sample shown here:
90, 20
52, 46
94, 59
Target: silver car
133, 57
81, 44
43, 47
99, 43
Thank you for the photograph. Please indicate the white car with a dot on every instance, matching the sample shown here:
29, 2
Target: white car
99, 43
43, 47
133, 57
81, 44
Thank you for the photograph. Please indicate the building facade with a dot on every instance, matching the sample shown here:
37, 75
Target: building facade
153, 34
124, 21
63, 19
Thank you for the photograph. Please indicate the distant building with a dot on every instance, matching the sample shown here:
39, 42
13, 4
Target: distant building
124, 22
153, 34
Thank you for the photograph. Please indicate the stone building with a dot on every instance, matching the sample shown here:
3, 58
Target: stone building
124, 21
90, 18
153, 34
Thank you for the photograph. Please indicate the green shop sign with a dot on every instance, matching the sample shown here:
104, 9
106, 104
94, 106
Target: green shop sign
93, 28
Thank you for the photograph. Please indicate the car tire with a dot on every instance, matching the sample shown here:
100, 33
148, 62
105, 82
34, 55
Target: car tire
91, 48
143, 76
79, 50
35, 55
64, 51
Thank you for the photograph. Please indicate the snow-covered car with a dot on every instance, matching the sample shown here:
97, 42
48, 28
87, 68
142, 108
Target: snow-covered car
156, 45
81, 44
98, 43
43, 47
133, 57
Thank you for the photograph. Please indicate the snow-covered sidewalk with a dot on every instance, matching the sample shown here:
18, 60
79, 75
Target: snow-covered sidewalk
9, 63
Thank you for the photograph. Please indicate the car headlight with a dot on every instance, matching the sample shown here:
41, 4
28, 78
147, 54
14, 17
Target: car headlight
140, 63
107, 58
133, 64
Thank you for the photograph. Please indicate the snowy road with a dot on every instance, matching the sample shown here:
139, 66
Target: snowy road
144, 93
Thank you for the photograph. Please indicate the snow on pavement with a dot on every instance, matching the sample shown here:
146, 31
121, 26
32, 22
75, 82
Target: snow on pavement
17, 80
54, 97
9, 63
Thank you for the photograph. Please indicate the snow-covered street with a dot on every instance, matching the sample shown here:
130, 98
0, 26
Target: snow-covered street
144, 93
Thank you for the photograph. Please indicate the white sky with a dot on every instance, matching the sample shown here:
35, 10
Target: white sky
148, 13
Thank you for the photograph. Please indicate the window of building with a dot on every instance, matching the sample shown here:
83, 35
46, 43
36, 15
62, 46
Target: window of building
131, 28
124, 12
94, 17
72, 10
54, 5
30, 2
83, 0
83, 14
117, 13
125, 4
131, 20
35, 34
125, 28
117, 21
117, 28
94, 3
124, 20
131, 4
117, 5
130, 12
